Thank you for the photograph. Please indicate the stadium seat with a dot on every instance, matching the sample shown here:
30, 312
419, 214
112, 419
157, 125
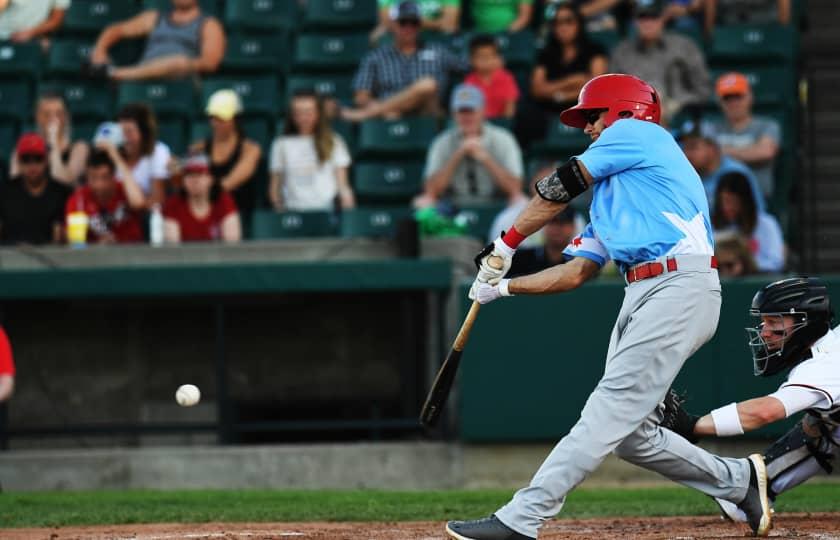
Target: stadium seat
66, 57
89, 17
211, 7
84, 128
267, 224
561, 141
349, 133
20, 59
406, 136
392, 181
257, 53
175, 99
518, 49
608, 39
338, 86
321, 52
770, 85
83, 99
8, 139
340, 14
502, 122
753, 42
173, 132
15, 100
479, 217
261, 14
259, 93
372, 222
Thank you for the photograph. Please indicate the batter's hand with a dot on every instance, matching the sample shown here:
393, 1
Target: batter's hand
494, 261
486, 293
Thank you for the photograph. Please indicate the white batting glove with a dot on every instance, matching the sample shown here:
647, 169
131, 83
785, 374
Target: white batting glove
491, 274
486, 293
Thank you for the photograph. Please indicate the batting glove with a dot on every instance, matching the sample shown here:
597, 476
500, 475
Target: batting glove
487, 273
486, 293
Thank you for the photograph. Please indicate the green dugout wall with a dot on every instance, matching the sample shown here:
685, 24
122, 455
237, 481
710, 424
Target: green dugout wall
533, 387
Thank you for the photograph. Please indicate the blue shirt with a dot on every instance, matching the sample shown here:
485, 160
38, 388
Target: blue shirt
728, 165
647, 201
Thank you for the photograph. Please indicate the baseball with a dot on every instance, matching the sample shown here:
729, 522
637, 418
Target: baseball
187, 395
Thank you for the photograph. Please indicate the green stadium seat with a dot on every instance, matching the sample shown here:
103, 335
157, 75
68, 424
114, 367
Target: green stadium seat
261, 14
561, 140
392, 181
257, 53
338, 86
8, 139
211, 7
340, 14
608, 39
406, 136
84, 128
91, 16
66, 57
753, 42
502, 122
519, 49
20, 59
83, 99
329, 51
173, 132
15, 100
267, 224
372, 222
175, 98
259, 93
479, 218
349, 133
770, 85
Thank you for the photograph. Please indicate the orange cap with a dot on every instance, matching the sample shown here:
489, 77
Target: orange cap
732, 83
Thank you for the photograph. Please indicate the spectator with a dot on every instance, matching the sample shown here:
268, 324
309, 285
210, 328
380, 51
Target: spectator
474, 161
202, 211
66, 158
749, 11
179, 43
7, 368
25, 21
406, 77
490, 76
436, 16
148, 158
113, 207
688, 15
309, 161
494, 16
598, 15
753, 140
705, 156
568, 60
670, 62
234, 158
733, 255
32, 204
736, 211
557, 233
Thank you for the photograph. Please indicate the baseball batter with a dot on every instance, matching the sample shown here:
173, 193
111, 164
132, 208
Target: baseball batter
793, 332
648, 214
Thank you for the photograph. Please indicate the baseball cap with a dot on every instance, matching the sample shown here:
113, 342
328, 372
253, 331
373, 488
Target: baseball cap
196, 163
466, 96
31, 144
652, 8
224, 104
732, 83
406, 11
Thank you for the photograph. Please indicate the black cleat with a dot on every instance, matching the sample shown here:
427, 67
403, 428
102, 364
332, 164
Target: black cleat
489, 528
756, 505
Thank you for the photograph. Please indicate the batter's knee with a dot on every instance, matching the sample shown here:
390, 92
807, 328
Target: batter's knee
645, 440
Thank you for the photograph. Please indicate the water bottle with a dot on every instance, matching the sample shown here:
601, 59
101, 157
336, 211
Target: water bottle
156, 226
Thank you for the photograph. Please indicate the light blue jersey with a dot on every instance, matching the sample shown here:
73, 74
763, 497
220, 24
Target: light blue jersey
647, 200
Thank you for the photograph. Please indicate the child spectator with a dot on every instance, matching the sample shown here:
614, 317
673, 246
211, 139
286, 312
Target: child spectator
736, 211
113, 208
309, 161
202, 211
21, 22
32, 204
734, 256
493, 16
148, 158
489, 74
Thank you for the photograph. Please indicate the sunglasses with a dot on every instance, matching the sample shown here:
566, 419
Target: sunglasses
29, 159
732, 97
564, 20
647, 16
409, 22
592, 116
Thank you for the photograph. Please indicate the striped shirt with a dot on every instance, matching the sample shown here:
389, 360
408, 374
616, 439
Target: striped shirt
385, 71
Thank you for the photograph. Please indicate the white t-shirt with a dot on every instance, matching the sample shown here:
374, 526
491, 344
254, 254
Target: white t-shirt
307, 185
815, 383
26, 14
151, 167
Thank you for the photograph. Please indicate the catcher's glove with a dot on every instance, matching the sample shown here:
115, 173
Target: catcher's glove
677, 419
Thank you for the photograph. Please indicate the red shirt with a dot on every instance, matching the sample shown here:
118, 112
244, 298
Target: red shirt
115, 217
7, 363
195, 229
498, 92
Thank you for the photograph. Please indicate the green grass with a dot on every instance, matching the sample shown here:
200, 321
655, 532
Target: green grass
115, 507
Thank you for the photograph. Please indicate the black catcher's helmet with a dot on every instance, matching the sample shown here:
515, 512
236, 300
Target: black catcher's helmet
804, 298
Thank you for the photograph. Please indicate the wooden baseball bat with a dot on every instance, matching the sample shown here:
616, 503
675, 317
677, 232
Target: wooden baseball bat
438, 394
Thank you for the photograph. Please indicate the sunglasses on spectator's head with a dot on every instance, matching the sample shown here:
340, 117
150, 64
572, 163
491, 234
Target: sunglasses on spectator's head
409, 22
32, 158
592, 116
564, 20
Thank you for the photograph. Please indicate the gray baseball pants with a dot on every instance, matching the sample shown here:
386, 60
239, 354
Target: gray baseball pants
662, 322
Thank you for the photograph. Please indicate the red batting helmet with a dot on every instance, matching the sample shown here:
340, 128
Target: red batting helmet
623, 96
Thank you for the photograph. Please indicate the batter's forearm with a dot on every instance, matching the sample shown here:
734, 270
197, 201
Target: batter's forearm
560, 278
537, 214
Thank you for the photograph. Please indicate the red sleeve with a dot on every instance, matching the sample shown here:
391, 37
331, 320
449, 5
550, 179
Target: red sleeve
73, 202
7, 363
510, 90
225, 205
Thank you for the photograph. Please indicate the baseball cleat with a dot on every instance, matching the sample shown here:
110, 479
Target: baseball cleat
756, 505
489, 528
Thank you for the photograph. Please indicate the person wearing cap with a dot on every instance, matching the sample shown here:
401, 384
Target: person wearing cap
474, 161
32, 203
406, 77
234, 158
435, 16
753, 140
148, 158
113, 207
670, 62
202, 211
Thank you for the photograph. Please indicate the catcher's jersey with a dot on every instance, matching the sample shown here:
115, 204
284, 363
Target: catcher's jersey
647, 200
815, 383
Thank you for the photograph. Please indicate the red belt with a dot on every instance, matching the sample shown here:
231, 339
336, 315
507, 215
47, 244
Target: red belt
653, 269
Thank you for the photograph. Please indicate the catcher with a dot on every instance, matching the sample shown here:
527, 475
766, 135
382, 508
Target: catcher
793, 333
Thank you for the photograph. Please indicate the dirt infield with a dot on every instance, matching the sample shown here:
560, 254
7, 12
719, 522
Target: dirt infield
798, 526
